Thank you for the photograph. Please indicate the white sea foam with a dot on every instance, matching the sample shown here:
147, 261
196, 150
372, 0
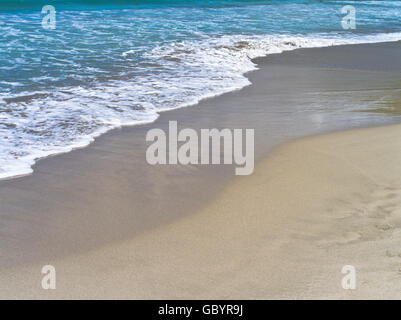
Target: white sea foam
34, 125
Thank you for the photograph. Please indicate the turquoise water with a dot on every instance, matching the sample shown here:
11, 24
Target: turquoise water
108, 64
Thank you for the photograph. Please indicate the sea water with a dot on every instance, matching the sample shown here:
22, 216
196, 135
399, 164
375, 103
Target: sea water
113, 63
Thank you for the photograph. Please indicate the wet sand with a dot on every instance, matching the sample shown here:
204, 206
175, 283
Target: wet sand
114, 226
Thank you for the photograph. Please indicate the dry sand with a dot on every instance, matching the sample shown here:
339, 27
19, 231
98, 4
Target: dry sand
311, 207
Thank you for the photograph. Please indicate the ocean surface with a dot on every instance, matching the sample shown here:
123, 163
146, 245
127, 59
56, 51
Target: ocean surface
114, 63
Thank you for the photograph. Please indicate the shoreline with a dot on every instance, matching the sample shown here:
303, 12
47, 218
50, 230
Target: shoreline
103, 131
87, 203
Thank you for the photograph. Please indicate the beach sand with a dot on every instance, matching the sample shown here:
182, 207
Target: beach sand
115, 227
311, 207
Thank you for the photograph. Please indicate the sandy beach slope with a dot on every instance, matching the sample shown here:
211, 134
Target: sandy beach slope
311, 207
